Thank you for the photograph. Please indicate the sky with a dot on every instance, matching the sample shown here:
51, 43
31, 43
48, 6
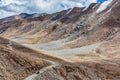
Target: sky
13, 7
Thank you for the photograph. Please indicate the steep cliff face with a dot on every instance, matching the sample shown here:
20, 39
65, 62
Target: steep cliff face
87, 37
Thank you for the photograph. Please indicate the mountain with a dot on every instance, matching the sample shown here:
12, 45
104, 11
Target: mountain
85, 41
21, 16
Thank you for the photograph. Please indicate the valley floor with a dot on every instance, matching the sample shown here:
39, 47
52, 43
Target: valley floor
77, 63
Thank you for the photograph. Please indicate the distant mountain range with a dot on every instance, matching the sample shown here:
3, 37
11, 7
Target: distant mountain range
20, 17
85, 41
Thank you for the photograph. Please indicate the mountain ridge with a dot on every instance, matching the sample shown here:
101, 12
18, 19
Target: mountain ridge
85, 42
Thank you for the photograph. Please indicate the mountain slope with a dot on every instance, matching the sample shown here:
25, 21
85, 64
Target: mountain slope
81, 43
74, 28
17, 62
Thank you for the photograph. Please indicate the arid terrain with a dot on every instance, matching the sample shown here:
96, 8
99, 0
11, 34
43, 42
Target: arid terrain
81, 43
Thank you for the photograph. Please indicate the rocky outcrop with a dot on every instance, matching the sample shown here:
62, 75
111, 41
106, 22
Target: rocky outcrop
87, 38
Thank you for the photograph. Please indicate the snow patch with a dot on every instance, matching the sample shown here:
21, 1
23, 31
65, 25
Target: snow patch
96, 5
103, 6
85, 8
69, 11
109, 10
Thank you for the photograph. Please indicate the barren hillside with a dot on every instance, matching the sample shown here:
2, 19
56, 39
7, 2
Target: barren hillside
81, 43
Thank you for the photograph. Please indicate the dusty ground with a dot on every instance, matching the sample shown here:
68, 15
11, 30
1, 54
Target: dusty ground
82, 45
18, 63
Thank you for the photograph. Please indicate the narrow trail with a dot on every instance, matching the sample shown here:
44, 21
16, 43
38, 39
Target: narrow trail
54, 60
54, 64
